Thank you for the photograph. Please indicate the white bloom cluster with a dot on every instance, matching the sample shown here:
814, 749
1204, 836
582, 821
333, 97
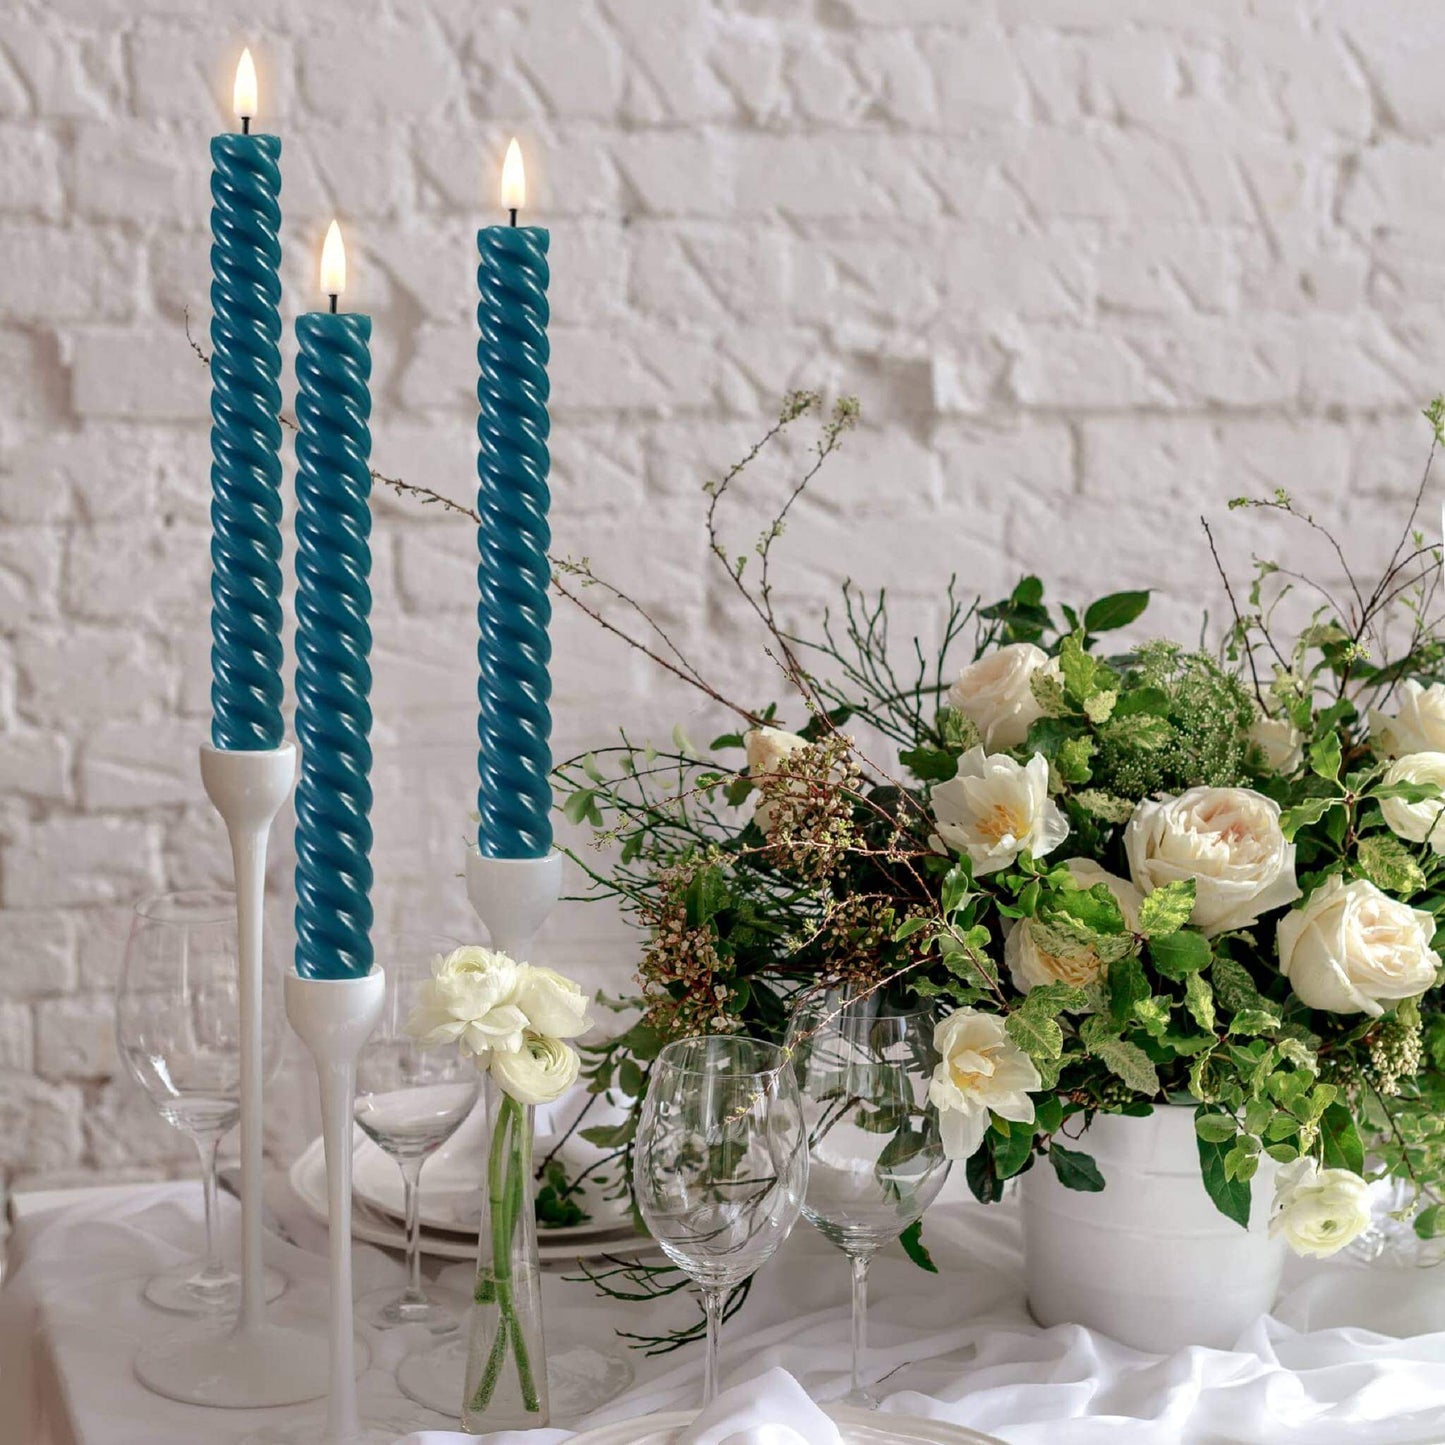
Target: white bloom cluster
511, 1017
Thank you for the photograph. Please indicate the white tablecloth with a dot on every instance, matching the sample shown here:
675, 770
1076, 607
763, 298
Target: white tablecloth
1350, 1357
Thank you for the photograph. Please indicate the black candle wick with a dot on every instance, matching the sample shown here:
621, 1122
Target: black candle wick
245, 125
333, 303
514, 215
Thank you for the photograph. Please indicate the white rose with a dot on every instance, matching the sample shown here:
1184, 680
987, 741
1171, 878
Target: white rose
1030, 964
766, 748
1351, 946
993, 808
1417, 822
1318, 1211
996, 693
1228, 840
471, 1000
1418, 725
554, 1005
1281, 742
540, 1071
981, 1070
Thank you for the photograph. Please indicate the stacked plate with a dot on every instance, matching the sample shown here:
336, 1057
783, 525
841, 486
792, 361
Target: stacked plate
451, 1192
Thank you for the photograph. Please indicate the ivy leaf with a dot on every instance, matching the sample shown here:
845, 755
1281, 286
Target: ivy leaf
1199, 1000
1116, 610
929, 765
1127, 987
1072, 758
1340, 1140
1075, 1169
1095, 908
1049, 999
913, 1246
1144, 731
1124, 1060
1233, 986
1100, 707
1039, 1036
1180, 955
1325, 756
1302, 815
1231, 1196
1104, 805
1166, 910
1083, 674
1214, 1127
1389, 864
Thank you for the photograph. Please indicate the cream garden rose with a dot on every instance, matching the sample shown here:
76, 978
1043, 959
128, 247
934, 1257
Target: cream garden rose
1281, 742
1417, 725
766, 748
1352, 948
1228, 840
554, 1005
996, 692
1417, 822
981, 1071
538, 1072
1318, 1211
471, 1000
994, 808
1031, 964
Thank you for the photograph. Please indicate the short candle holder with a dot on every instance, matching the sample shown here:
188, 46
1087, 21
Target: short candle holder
251, 1362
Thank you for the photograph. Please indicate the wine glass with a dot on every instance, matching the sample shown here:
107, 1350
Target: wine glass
720, 1164
178, 1032
875, 1158
410, 1099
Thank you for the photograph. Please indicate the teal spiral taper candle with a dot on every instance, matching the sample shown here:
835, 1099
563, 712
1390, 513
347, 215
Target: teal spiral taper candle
514, 797
246, 652
333, 642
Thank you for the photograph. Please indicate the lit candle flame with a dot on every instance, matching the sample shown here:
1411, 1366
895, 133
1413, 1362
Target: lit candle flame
243, 97
514, 179
333, 262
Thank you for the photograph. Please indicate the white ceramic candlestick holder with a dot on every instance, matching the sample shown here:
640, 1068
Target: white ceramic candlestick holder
335, 1017
254, 1362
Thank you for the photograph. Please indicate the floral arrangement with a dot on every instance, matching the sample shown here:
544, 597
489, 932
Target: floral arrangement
1165, 874
514, 1020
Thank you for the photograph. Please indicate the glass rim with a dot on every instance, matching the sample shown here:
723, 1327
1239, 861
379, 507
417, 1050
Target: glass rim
778, 1051
818, 1000
209, 905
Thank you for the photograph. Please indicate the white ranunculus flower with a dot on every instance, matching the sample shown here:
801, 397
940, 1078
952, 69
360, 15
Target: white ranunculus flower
981, 1070
1030, 964
996, 693
471, 1000
1418, 725
1228, 840
993, 808
554, 1005
542, 1070
1318, 1211
1417, 822
1352, 946
1281, 742
766, 748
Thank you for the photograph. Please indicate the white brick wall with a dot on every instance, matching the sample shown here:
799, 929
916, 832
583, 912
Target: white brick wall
1092, 266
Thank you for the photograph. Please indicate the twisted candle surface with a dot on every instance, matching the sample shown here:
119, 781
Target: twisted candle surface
333, 641
514, 797
246, 653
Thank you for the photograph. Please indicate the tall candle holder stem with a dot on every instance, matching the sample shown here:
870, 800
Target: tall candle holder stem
253, 1362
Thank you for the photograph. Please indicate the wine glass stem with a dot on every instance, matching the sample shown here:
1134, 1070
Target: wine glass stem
208, 1146
859, 1262
712, 1303
411, 1180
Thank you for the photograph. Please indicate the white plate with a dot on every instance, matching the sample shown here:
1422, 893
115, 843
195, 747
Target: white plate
451, 1185
859, 1427
308, 1180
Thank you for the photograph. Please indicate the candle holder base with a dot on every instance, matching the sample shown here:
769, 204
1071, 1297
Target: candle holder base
238, 1368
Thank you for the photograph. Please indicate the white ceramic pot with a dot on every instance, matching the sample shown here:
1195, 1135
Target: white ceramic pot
1148, 1260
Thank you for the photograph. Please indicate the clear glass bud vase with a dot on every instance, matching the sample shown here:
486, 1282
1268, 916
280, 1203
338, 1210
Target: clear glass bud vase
506, 1358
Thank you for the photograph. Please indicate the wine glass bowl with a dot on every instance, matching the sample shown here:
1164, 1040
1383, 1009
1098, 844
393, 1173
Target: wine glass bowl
178, 1034
720, 1165
876, 1159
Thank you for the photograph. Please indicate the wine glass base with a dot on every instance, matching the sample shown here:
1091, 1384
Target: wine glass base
581, 1377
441, 1312
236, 1368
860, 1399
178, 1292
